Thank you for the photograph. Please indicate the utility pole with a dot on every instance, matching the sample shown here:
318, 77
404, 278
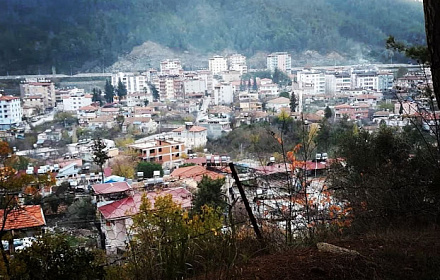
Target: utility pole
246, 202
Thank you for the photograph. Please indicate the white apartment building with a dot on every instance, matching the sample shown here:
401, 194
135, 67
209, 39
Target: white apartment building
194, 86
223, 94
218, 64
193, 136
170, 87
171, 67
74, 102
11, 112
312, 78
133, 82
280, 60
268, 90
207, 77
337, 82
237, 62
367, 80
41, 87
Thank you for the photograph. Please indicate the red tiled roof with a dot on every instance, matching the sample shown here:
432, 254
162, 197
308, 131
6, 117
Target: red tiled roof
130, 206
108, 188
198, 160
179, 129
88, 108
196, 172
197, 129
7, 98
25, 217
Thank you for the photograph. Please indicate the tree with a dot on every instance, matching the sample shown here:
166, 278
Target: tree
276, 77
96, 95
109, 92
12, 186
210, 193
120, 121
154, 92
284, 94
328, 113
123, 167
169, 242
292, 102
121, 90
254, 85
432, 29
52, 257
148, 168
100, 155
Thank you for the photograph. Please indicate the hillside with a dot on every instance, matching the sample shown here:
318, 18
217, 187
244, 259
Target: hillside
87, 35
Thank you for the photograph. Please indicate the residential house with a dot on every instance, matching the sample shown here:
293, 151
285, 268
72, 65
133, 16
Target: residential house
278, 104
355, 111
193, 136
86, 113
117, 216
223, 94
27, 220
140, 124
104, 121
190, 176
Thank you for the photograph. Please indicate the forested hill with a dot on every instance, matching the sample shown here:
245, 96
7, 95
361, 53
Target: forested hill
36, 34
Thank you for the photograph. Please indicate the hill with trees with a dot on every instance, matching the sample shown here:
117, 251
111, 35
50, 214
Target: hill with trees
88, 35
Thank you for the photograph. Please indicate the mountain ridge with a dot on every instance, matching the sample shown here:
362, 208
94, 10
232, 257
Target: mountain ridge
92, 34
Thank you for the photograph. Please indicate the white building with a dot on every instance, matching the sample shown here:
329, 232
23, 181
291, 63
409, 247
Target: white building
133, 82
194, 86
337, 82
312, 78
367, 80
278, 104
280, 60
223, 94
237, 62
171, 67
193, 136
74, 102
218, 64
268, 90
10, 111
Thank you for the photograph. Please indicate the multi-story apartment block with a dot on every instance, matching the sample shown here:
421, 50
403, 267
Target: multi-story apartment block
170, 87
366, 80
223, 94
76, 100
237, 62
357, 111
194, 86
385, 80
43, 88
10, 111
337, 82
160, 150
207, 77
134, 82
280, 60
171, 67
218, 64
312, 78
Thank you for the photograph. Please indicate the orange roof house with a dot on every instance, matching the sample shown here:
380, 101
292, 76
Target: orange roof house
23, 218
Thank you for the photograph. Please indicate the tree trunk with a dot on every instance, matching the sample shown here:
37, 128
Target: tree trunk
432, 27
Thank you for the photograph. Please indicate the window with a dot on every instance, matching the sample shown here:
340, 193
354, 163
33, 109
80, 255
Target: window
152, 151
160, 157
160, 150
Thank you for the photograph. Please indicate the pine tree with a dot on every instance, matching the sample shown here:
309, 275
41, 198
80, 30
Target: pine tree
154, 92
96, 95
254, 86
121, 90
100, 156
328, 113
292, 102
109, 92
